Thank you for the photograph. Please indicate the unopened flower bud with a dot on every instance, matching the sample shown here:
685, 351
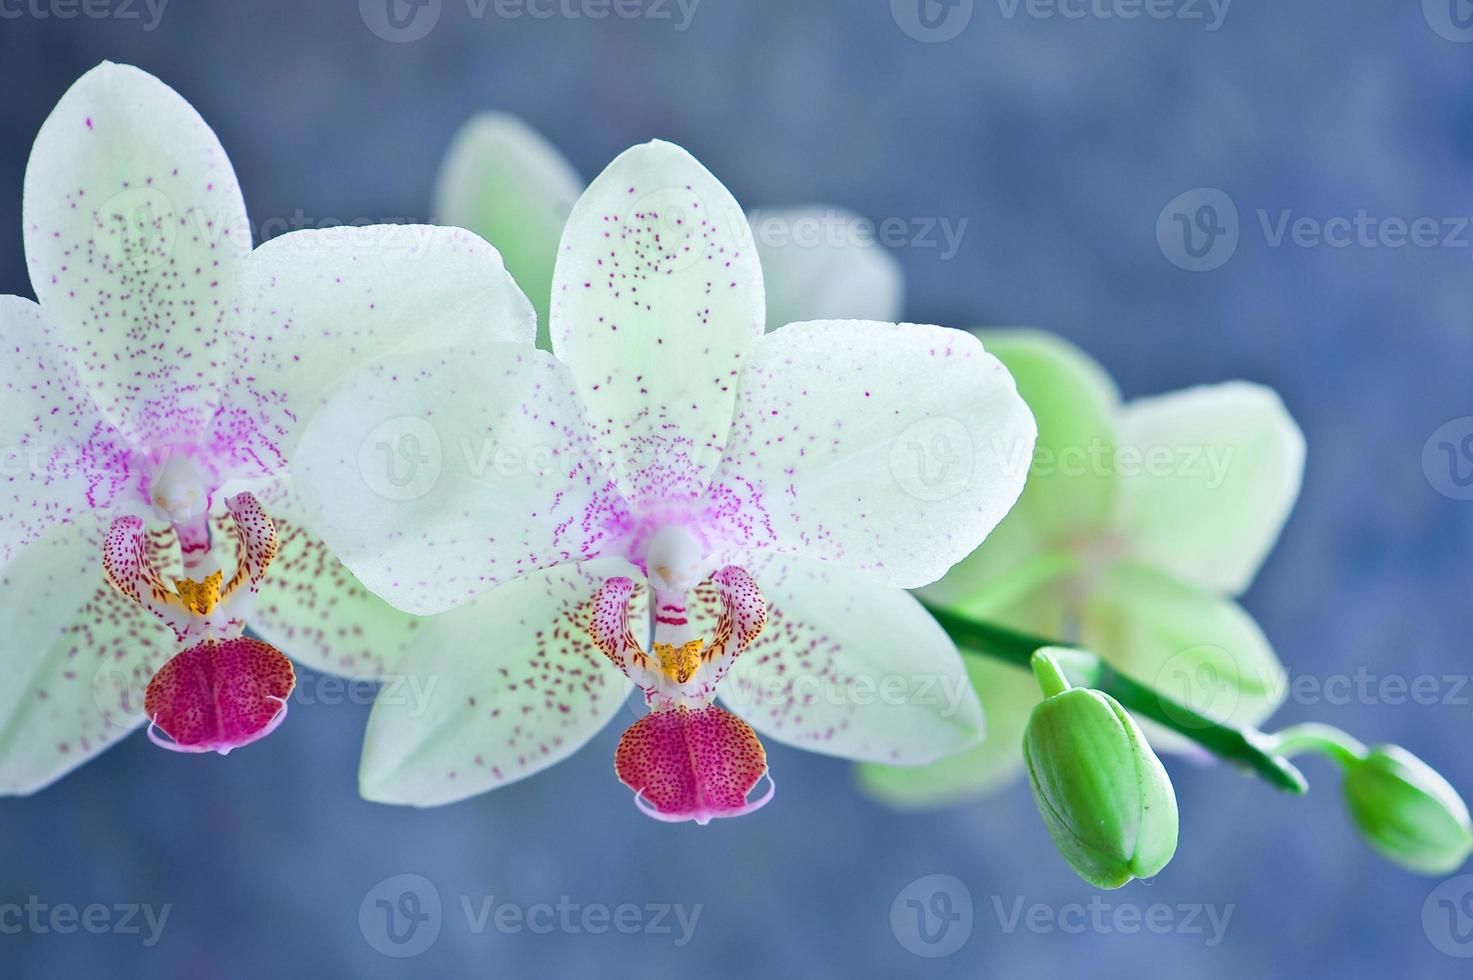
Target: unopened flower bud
1408, 812
1104, 796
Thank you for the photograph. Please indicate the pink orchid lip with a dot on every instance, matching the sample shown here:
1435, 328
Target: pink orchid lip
693, 764
219, 695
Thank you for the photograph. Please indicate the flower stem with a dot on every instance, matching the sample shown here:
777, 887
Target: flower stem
1246, 747
1313, 737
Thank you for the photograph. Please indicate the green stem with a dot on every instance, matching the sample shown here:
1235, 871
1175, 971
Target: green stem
1245, 747
1314, 737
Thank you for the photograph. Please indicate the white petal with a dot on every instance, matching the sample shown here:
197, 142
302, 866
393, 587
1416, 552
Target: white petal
505, 182
819, 264
437, 475
1218, 471
852, 668
656, 298
494, 691
135, 231
889, 449
317, 304
78, 657
59, 457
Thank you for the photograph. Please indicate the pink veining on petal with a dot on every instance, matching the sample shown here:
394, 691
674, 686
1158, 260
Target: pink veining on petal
218, 696
692, 764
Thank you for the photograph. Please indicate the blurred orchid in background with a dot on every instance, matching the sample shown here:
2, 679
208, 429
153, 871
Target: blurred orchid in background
504, 181
1139, 525
735, 498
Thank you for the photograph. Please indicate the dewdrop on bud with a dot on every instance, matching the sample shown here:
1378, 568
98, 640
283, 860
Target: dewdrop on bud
1104, 796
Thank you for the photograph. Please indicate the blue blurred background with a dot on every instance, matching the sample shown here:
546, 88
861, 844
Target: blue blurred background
1059, 140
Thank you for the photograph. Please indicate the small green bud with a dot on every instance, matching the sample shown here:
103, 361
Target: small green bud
1104, 796
1408, 812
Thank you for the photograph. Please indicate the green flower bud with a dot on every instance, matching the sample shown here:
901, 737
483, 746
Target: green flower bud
1104, 796
1408, 812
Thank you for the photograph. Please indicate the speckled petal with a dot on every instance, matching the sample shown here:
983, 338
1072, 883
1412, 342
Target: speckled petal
441, 474
889, 449
134, 232
314, 609
692, 764
505, 182
218, 696
494, 691
823, 263
78, 655
656, 297
316, 305
852, 668
59, 457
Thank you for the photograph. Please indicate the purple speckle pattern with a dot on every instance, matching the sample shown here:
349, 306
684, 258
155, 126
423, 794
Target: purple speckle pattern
134, 231
513, 684
657, 296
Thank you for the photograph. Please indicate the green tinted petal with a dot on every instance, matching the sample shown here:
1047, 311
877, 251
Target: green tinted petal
1213, 474
1197, 648
1008, 696
1071, 486
502, 180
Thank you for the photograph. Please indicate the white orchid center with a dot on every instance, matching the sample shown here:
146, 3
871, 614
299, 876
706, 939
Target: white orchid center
674, 560
180, 491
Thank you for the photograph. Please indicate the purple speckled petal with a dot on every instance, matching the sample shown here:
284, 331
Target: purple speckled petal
134, 232
314, 305
495, 691
656, 297
889, 449
436, 475
852, 668
314, 609
59, 457
78, 657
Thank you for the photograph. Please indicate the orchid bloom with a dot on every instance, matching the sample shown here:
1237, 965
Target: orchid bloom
151, 400
507, 183
1139, 525
673, 501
